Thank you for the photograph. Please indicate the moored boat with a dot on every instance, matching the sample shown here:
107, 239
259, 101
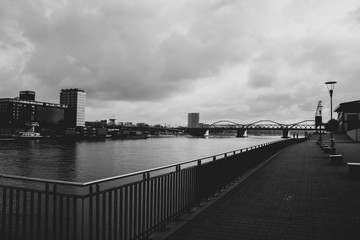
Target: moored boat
31, 133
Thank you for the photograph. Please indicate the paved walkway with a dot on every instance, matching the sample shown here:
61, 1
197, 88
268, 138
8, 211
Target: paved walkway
297, 195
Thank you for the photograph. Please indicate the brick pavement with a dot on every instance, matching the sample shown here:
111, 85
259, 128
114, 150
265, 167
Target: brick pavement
297, 195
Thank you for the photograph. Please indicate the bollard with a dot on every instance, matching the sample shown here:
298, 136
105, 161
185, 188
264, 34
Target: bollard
354, 169
336, 159
327, 150
333, 151
322, 146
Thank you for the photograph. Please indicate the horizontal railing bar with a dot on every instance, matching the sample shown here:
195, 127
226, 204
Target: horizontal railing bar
41, 180
37, 191
79, 184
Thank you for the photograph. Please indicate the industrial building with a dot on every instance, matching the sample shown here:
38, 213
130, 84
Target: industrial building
16, 112
349, 118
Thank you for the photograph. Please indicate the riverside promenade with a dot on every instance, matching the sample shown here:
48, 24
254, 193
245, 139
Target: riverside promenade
297, 194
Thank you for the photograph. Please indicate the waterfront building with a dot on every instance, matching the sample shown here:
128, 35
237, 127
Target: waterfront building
349, 117
143, 125
16, 112
101, 123
75, 99
193, 120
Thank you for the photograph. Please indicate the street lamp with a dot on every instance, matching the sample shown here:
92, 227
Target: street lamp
330, 86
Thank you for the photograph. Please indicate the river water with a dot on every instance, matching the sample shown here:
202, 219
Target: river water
83, 161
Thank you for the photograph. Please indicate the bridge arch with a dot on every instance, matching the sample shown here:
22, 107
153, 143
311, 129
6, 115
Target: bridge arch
257, 125
267, 123
305, 125
228, 122
270, 124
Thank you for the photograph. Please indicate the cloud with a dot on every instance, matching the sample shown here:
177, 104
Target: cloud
263, 72
354, 15
117, 51
222, 58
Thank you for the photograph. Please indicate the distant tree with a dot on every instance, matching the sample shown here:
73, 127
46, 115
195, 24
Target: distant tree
332, 125
142, 125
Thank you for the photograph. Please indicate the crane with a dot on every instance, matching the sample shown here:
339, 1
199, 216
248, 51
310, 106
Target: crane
318, 119
318, 109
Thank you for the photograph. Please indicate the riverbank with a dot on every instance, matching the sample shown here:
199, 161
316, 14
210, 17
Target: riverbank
296, 195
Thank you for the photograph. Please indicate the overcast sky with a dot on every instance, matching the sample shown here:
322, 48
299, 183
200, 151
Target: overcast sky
154, 61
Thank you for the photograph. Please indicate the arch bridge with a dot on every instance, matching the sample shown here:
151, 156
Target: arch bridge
258, 125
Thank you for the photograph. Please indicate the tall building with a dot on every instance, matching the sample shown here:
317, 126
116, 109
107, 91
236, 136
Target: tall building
193, 120
75, 99
16, 112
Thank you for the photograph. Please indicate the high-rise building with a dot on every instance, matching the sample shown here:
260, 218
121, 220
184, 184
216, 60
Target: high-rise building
75, 99
193, 120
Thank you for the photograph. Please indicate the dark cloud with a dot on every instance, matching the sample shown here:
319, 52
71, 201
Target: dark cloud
119, 51
354, 15
229, 59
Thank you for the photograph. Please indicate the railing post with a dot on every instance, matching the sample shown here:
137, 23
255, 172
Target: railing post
90, 212
54, 212
197, 200
46, 210
4, 204
146, 176
97, 211
17, 214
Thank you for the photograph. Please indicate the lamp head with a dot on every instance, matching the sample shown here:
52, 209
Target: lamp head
330, 86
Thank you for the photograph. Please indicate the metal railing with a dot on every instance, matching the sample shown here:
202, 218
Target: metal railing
129, 206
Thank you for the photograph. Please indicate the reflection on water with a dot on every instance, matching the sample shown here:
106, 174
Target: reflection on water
90, 160
39, 158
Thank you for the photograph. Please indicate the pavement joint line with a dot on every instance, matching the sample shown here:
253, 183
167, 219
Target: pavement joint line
185, 218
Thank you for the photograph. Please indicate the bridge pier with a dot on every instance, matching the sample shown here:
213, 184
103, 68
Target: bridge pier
285, 133
197, 132
240, 133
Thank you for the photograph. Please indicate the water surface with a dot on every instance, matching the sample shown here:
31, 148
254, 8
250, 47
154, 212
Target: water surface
83, 161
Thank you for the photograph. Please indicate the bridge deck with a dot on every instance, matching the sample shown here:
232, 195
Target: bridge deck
297, 195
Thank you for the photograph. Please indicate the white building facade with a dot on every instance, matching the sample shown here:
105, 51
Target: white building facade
75, 99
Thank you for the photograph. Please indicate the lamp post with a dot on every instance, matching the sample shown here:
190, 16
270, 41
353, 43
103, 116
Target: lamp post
330, 86
320, 137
